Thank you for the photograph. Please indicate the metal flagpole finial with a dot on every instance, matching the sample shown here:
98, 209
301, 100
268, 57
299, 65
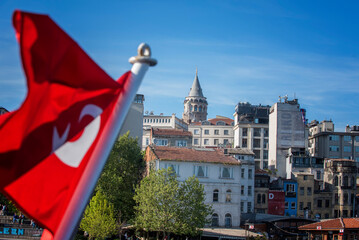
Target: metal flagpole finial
144, 55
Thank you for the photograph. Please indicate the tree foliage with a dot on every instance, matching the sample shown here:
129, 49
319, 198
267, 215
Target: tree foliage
99, 220
121, 174
168, 206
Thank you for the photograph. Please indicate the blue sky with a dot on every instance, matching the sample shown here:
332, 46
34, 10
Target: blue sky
248, 51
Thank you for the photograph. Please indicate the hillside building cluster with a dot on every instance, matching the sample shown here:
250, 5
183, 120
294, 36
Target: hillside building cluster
265, 165
263, 160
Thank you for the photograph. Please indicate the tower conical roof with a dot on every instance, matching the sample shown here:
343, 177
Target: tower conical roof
196, 90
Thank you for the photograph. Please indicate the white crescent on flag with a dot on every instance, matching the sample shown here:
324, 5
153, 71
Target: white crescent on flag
72, 153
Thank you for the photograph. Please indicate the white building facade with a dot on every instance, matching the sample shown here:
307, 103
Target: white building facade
286, 130
220, 175
212, 133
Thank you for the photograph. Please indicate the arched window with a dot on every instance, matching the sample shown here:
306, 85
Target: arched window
259, 198
215, 195
200, 108
228, 195
345, 198
215, 220
353, 182
345, 181
336, 181
195, 108
228, 220
191, 108
263, 198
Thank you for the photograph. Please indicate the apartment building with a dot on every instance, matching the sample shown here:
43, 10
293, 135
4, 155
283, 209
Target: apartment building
251, 131
215, 132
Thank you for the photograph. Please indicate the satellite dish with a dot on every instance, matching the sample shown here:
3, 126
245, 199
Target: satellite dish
146, 112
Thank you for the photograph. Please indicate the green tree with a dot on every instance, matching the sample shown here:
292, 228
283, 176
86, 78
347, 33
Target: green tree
99, 220
121, 174
168, 206
192, 211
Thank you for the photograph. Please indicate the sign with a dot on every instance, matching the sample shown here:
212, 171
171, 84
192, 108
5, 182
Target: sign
276, 202
251, 226
319, 227
341, 230
11, 231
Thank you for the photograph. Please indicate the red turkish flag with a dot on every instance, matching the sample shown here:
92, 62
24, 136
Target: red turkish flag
46, 144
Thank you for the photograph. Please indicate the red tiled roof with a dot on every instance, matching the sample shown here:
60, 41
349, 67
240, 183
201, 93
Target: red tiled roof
213, 121
170, 132
193, 155
338, 223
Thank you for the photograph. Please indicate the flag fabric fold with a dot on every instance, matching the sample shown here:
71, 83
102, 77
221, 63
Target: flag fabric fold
47, 143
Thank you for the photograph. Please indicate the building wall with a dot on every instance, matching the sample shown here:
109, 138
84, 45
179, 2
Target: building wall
211, 182
340, 177
202, 139
305, 194
286, 130
159, 121
134, 119
255, 137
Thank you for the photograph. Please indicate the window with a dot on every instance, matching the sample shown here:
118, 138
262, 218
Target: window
174, 167
309, 205
161, 142
347, 148
195, 108
201, 171
336, 198
200, 108
249, 190
228, 220
244, 143
347, 138
290, 188
225, 141
226, 172
309, 191
319, 175
265, 154
336, 181
249, 207
345, 181
225, 132
345, 198
242, 207
305, 177
216, 132
181, 143
215, 195
265, 143
206, 141
215, 220
257, 143
266, 131
242, 173
301, 205
216, 141
357, 149
263, 198
326, 216
249, 173
327, 203
334, 148
319, 203
206, 132
256, 132
196, 131
244, 132
228, 195
301, 191
257, 154
293, 205
259, 200
333, 138
242, 190
195, 141
147, 141
286, 204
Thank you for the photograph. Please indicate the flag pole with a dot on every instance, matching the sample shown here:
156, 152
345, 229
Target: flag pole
69, 223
